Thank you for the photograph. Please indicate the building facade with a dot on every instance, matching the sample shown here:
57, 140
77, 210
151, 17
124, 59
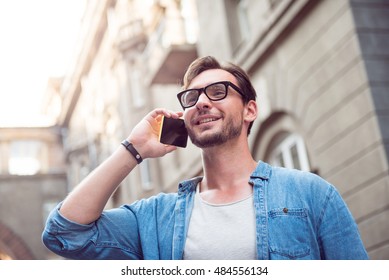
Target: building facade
33, 180
319, 68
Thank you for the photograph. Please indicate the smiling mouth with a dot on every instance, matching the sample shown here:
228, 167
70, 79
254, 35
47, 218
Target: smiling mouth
207, 120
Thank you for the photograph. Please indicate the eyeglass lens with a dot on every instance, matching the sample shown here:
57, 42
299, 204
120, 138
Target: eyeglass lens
214, 92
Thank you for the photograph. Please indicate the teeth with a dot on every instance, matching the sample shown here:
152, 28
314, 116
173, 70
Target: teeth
207, 120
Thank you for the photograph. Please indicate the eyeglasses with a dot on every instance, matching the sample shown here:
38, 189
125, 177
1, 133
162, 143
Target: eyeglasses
216, 91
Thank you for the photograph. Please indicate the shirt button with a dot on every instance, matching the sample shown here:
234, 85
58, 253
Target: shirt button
285, 210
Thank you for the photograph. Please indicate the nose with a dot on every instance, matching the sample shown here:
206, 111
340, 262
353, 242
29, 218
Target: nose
203, 101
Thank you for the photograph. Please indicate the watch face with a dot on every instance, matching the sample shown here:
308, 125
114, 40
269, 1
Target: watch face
173, 132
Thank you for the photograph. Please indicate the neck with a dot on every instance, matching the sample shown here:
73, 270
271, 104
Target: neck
227, 169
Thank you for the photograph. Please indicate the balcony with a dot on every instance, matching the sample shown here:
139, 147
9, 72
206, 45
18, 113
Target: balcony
170, 67
169, 51
131, 36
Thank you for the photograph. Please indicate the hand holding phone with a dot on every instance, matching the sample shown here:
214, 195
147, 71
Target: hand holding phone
173, 132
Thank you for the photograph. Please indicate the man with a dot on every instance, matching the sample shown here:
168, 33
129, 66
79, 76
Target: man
239, 209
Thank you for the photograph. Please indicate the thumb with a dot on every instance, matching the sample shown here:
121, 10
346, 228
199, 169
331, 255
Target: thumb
170, 148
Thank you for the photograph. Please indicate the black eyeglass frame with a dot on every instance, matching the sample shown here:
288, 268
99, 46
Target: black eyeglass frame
204, 90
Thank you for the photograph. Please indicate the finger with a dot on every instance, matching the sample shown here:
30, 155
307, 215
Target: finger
178, 114
161, 111
167, 113
170, 148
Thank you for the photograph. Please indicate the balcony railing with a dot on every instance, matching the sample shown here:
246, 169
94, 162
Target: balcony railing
168, 52
131, 36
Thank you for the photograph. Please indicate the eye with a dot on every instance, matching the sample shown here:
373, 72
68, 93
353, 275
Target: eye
216, 91
189, 97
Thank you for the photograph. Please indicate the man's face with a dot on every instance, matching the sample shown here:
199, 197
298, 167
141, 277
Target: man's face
212, 123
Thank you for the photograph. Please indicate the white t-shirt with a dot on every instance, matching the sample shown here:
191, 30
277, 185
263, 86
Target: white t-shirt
221, 231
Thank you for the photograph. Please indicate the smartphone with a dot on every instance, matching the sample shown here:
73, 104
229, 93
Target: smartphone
173, 132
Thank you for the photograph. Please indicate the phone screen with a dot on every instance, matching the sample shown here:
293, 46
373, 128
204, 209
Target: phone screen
173, 132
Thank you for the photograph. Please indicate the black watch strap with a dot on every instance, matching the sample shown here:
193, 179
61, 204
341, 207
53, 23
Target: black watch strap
129, 147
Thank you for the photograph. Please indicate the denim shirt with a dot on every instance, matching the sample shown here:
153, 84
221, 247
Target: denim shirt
298, 216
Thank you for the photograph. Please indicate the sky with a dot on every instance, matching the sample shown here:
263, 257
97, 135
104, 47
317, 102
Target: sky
37, 39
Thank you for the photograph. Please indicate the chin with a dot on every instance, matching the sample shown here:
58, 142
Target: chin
207, 141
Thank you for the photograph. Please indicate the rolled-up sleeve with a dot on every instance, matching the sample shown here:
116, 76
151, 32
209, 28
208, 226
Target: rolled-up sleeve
113, 236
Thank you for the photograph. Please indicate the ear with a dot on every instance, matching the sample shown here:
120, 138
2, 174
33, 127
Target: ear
250, 111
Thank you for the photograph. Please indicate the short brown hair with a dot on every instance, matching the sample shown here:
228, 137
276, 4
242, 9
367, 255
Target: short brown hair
207, 63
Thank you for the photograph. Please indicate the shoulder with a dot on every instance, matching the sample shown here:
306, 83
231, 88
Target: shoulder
298, 178
302, 190
300, 185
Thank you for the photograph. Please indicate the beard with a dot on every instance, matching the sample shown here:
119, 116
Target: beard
230, 130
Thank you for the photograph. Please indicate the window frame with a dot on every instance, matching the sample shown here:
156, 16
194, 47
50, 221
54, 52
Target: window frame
284, 150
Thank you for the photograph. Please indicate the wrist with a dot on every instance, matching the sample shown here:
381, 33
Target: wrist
131, 149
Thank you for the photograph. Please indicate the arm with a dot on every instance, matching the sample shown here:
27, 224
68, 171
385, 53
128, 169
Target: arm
338, 232
87, 201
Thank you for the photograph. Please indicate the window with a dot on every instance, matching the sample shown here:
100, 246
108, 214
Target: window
189, 12
244, 25
25, 157
237, 19
290, 153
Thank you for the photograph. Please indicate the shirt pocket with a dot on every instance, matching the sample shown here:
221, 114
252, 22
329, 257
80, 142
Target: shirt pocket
288, 233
